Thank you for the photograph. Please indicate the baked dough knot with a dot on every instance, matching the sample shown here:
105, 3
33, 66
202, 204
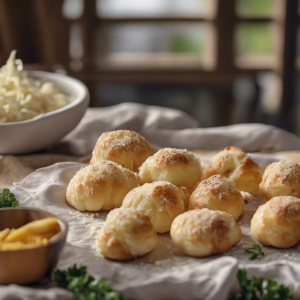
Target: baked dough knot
277, 222
203, 232
218, 193
281, 179
177, 166
126, 234
127, 148
162, 201
235, 164
101, 186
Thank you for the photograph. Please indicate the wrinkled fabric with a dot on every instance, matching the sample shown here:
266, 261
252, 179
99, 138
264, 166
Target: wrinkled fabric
172, 128
164, 273
46, 188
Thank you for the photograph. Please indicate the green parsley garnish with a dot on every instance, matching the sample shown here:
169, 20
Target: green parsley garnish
256, 252
261, 289
83, 286
8, 199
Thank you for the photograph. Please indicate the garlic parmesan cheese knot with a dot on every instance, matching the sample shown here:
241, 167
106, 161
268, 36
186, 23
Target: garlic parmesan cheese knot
218, 193
162, 201
127, 148
177, 166
101, 186
236, 165
277, 222
203, 232
126, 234
281, 179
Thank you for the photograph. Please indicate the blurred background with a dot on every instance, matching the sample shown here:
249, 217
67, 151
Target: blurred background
221, 61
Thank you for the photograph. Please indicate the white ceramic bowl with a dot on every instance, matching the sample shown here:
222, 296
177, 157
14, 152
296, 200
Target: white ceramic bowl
36, 134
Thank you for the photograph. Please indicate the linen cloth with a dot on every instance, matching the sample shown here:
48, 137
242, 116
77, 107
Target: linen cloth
172, 276
168, 127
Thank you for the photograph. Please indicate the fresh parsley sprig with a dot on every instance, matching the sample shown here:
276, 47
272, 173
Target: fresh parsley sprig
256, 251
8, 199
261, 289
83, 286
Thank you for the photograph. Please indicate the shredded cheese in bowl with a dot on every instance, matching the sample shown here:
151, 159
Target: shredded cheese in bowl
23, 98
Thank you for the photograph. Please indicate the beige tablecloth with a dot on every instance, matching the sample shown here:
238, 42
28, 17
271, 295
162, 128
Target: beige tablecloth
165, 273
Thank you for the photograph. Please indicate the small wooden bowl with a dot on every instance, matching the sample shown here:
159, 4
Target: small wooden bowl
29, 265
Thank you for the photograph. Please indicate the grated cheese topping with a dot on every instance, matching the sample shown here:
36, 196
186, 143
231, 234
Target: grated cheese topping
23, 98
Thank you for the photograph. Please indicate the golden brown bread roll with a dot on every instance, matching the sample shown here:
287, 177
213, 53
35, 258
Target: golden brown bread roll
177, 166
127, 148
126, 234
101, 186
281, 179
203, 232
235, 164
277, 222
218, 193
162, 201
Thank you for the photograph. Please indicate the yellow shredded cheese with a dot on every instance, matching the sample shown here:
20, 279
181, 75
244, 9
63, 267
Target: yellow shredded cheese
22, 97
34, 234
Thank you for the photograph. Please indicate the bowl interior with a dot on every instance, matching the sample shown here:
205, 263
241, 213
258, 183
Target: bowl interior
17, 217
66, 84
